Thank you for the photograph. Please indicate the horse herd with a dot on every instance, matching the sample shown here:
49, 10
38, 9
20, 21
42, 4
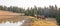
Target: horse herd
40, 17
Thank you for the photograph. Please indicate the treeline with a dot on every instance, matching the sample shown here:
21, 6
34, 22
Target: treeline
12, 9
50, 11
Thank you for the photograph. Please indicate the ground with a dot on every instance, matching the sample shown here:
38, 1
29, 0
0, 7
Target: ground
40, 22
30, 21
44, 23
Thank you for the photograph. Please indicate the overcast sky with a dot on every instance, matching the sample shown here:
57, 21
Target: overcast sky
29, 3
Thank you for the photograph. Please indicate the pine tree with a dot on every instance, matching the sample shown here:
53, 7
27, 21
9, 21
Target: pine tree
35, 11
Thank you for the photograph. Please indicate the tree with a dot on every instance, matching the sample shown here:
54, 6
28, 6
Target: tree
35, 10
45, 11
1, 7
27, 12
31, 12
39, 11
5, 8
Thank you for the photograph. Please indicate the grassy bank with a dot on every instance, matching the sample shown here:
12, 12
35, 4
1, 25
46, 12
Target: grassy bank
41, 22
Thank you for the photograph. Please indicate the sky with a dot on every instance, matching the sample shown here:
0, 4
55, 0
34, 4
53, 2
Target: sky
29, 3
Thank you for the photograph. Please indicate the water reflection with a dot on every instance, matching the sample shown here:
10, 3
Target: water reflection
14, 21
7, 23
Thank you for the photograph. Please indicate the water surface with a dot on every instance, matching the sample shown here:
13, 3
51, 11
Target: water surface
13, 21
11, 24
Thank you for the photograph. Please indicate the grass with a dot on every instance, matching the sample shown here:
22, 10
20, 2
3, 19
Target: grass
38, 22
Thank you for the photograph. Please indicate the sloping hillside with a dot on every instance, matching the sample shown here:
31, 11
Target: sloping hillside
7, 13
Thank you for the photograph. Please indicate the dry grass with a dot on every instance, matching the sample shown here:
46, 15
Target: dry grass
7, 13
43, 23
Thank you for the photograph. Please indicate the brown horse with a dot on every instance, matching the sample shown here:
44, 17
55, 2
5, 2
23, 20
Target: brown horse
40, 17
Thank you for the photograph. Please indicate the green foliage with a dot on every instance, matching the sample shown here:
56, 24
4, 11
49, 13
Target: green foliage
12, 9
58, 19
29, 12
